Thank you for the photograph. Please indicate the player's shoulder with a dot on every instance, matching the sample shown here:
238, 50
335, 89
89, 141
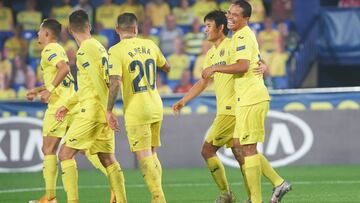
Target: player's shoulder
147, 42
53, 47
116, 49
52, 50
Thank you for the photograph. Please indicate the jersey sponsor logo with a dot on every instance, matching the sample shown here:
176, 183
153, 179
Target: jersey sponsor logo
288, 138
52, 56
240, 48
241, 37
47, 50
20, 144
80, 54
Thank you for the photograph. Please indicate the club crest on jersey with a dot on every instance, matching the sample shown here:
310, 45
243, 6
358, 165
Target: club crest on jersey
222, 52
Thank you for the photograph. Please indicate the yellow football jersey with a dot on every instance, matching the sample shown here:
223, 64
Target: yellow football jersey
29, 19
6, 20
249, 87
51, 55
224, 83
61, 14
92, 81
107, 15
136, 9
135, 60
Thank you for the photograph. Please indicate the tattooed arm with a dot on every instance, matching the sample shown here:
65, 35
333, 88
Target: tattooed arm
114, 88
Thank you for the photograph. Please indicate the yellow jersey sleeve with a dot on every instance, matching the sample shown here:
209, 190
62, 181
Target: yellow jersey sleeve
54, 55
242, 48
115, 65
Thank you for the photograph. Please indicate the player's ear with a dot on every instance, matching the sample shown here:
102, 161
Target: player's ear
89, 27
135, 30
117, 29
222, 27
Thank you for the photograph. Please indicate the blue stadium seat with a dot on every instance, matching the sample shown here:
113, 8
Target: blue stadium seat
280, 82
111, 36
29, 34
185, 28
3, 37
155, 31
172, 83
34, 62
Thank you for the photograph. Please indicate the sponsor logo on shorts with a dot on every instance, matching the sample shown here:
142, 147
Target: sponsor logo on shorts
288, 138
20, 144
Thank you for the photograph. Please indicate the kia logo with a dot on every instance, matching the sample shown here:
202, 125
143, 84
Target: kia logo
288, 138
20, 144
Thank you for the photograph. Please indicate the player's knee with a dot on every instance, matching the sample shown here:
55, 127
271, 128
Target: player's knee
106, 159
207, 152
48, 150
249, 150
238, 155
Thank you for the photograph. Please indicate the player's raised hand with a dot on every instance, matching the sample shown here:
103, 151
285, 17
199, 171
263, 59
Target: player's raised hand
207, 73
178, 106
45, 95
261, 69
31, 94
112, 121
61, 113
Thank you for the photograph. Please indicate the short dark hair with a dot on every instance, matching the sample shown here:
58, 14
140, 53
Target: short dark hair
245, 6
220, 19
126, 21
78, 20
52, 25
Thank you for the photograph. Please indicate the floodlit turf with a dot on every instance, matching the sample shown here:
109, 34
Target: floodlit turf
316, 184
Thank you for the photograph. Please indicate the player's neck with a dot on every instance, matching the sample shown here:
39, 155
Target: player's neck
127, 35
239, 28
218, 41
80, 37
49, 41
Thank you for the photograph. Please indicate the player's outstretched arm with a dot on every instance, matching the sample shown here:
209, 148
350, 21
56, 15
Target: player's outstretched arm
67, 105
114, 88
193, 92
31, 94
63, 70
241, 66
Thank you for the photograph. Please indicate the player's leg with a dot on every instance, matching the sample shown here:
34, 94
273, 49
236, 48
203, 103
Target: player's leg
250, 129
140, 143
220, 134
50, 168
52, 132
69, 173
80, 136
104, 147
156, 143
238, 154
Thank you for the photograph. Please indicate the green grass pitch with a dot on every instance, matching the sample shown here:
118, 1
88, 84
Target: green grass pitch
316, 184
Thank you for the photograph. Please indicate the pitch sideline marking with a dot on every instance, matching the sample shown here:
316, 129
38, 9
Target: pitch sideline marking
174, 185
